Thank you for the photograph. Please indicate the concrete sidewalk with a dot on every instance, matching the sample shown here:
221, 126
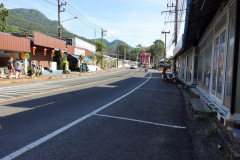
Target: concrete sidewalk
5, 80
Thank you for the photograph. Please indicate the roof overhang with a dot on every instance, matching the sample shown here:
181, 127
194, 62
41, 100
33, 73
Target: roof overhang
199, 13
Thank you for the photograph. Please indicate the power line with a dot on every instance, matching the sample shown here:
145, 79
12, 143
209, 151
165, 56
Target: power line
50, 3
82, 21
73, 10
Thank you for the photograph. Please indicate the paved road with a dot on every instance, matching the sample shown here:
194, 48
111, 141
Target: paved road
128, 114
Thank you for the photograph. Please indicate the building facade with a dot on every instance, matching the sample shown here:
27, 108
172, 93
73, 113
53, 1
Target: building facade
207, 53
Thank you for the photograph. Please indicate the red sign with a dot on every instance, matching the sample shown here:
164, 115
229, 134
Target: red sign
146, 58
146, 54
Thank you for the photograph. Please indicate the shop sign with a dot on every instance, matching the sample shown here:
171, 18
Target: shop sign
78, 51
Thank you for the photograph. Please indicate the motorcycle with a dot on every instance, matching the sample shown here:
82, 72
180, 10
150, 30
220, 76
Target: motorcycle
173, 78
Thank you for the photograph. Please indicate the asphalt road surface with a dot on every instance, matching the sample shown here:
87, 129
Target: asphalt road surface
128, 114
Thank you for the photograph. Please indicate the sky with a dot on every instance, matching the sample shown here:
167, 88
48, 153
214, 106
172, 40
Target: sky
133, 21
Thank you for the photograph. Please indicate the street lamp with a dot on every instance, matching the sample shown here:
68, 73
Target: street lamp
69, 19
60, 27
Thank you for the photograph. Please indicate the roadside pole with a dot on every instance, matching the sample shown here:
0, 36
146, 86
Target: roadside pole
163, 32
81, 59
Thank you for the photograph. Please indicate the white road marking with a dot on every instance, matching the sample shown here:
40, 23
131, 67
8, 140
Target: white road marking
135, 120
159, 90
55, 133
7, 96
43, 105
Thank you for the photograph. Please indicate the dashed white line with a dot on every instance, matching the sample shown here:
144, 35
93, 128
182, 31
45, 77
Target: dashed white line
55, 133
159, 90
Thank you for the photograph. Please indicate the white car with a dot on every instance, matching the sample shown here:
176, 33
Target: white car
132, 67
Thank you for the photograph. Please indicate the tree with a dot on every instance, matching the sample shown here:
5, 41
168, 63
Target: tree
141, 48
99, 47
13, 29
157, 49
4, 14
123, 47
134, 53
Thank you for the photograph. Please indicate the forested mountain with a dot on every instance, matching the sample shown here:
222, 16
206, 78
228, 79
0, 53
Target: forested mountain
113, 45
30, 20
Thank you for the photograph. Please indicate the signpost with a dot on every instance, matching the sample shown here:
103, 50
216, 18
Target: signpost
81, 59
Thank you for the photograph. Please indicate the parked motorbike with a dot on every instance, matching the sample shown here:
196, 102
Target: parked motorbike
172, 77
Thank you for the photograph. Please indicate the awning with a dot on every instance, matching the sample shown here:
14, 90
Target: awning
84, 60
199, 13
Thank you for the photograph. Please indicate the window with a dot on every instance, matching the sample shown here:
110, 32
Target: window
189, 68
204, 70
221, 23
229, 65
200, 68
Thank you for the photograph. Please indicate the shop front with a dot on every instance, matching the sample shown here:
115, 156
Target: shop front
211, 58
80, 47
73, 54
43, 49
16, 47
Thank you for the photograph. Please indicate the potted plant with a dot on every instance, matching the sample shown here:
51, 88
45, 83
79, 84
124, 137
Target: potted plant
38, 72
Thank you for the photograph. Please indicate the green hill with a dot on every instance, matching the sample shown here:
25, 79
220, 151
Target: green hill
30, 20
113, 45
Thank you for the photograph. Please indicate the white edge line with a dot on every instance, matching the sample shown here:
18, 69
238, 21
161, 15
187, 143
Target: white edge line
135, 120
53, 134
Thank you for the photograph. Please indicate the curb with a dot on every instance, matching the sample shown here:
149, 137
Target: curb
229, 142
61, 76
227, 138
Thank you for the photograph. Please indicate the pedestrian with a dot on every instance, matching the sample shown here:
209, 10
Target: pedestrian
18, 69
33, 68
164, 72
87, 68
10, 67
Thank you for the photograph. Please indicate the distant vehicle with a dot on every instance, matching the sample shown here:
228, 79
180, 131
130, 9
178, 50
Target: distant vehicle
132, 67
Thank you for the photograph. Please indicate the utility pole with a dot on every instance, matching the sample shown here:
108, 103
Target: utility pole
117, 53
124, 54
176, 23
59, 19
163, 32
176, 19
103, 31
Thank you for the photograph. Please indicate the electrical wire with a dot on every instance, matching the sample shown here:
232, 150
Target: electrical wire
83, 18
50, 3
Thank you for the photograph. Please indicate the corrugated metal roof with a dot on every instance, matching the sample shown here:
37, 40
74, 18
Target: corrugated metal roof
13, 43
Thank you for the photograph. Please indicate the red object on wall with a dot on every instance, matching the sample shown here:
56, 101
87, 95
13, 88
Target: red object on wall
22, 55
62, 54
33, 49
52, 52
44, 51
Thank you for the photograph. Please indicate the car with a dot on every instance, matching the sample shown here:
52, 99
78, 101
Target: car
132, 67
